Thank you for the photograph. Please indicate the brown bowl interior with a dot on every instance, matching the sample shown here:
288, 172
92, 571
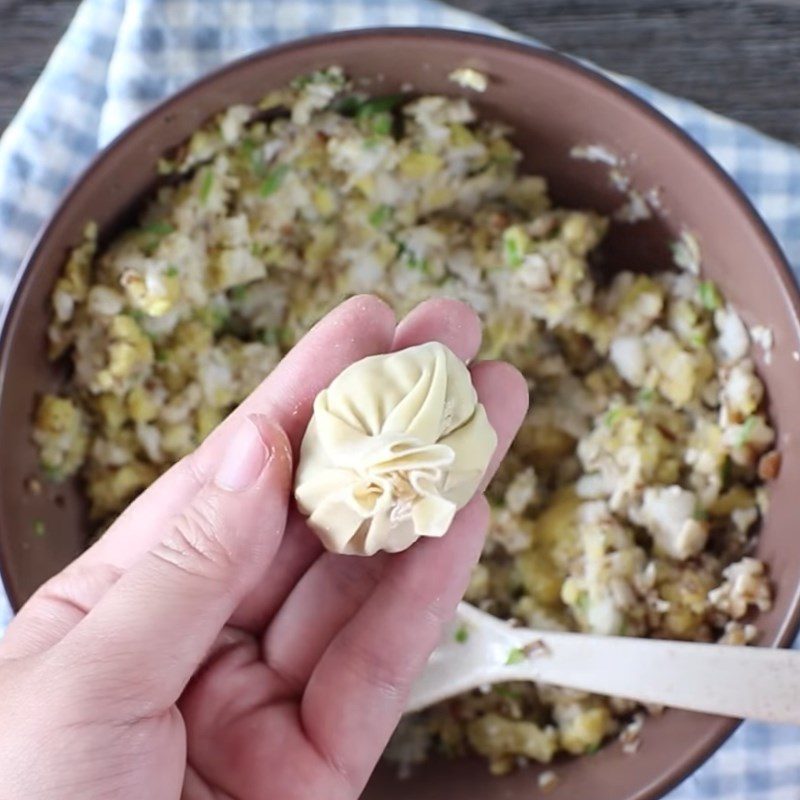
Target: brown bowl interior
553, 105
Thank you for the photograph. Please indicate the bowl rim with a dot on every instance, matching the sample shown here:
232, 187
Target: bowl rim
790, 625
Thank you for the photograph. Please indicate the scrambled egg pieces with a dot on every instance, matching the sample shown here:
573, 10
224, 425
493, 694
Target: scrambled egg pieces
628, 502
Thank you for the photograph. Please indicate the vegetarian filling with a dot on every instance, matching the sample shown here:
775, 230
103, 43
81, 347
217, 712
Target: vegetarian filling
630, 500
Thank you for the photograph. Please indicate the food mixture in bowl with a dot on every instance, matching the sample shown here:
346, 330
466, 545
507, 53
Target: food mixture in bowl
629, 502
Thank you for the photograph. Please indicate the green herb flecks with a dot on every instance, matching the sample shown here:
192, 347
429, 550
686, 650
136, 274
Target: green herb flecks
515, 242
709, 295
160, 228
515, 656
462, 634
39, 528
279, 336
274, 179
172, 271
253, 155
612, 416
137, 315
414, 262
206, 184
318, 76
746, 431
301, 81
646, 395
582, 603
507, 693
380, 216
379, 105
52, 474
348, 106
220, 317
381, 124
239, 292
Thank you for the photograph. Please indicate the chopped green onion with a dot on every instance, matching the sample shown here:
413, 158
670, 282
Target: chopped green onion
137, 314
280, 336
462, 634
274, 180
38, 528
700, 514
380, 215
421, 264
205, 185
582, 603
381, 124
509, 694
612, 417
318, 76
51, 473
647, 395
709, 295
379, 105
592, 749
253, 155
161, 355
515, 656
239, 292
160, 228
301, 81
515, 240
348, 106
172, 271
219, 318
502, 159
747, 429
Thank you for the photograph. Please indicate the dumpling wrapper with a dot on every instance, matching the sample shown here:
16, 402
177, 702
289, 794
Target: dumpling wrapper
396, 445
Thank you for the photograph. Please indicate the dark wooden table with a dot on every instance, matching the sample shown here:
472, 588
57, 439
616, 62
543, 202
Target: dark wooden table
737, 57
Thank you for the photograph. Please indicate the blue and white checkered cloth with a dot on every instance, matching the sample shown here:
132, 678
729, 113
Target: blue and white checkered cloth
121, 56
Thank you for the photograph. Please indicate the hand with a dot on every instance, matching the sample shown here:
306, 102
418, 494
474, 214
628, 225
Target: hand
206, 648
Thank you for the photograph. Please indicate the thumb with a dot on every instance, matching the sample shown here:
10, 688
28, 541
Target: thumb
153, 628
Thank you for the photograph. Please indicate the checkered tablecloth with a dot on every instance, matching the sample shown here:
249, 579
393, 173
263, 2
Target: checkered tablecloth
120, 56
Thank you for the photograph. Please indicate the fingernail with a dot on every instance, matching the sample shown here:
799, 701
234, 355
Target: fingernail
244, 459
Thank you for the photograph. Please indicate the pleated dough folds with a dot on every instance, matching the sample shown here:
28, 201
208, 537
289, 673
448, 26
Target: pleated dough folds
396, 445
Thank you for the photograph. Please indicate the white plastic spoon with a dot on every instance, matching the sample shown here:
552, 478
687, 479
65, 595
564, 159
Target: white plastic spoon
745, 682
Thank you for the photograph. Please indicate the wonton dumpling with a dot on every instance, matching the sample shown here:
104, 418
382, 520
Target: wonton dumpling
396, 445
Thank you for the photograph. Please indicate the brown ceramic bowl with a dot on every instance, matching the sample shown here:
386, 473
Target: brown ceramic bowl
553, 104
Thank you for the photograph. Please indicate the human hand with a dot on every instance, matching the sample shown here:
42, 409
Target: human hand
205, 647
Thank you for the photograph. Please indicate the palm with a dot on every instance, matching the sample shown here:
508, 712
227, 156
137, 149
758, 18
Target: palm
269, 705
246, 738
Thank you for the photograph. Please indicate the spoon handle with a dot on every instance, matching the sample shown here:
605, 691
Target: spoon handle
743, 682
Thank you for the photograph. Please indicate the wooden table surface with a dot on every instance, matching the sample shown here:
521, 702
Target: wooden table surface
738, 57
